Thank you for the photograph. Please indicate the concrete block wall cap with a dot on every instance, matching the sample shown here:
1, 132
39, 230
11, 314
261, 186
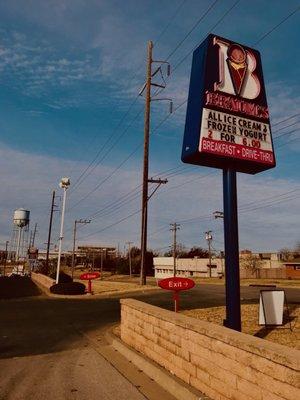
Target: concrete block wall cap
277, 353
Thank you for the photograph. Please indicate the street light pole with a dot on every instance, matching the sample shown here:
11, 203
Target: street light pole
64, 184
49, 230
208, 237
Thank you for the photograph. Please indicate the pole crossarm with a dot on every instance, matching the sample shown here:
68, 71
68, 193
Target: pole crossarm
218, 214
159, 182
82, 221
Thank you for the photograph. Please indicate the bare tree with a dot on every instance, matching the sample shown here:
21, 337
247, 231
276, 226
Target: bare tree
251, 263
286, 254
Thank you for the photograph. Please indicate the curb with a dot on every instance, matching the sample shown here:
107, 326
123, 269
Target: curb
177, 388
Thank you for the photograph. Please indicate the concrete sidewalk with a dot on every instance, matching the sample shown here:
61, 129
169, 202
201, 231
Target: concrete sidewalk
69, 375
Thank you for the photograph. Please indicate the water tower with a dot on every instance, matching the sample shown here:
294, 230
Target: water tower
19, 242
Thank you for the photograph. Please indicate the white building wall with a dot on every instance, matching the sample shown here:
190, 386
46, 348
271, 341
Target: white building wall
187, 267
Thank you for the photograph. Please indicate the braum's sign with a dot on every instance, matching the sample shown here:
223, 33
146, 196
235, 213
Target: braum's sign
227, 121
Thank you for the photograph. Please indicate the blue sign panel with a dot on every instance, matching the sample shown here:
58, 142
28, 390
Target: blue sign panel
227, 119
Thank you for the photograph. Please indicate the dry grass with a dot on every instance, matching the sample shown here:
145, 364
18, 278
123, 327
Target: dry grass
281, 334
110, 287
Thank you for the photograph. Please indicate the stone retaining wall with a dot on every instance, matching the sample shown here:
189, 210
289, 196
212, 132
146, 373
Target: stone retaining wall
42, 280
222, 363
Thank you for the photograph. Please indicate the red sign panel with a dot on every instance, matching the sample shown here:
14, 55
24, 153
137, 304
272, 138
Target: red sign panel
176, 283
227, 120
89, 275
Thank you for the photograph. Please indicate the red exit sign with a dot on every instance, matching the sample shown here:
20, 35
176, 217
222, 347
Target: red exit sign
177, 284
89, 275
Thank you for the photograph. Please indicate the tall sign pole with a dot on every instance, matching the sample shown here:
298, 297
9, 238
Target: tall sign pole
232, 270
146, 165
228, 127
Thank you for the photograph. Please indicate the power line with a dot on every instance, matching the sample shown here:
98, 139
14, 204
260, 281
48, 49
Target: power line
209, 216
201, 18
286, 119
113, 224
210, 30
192, 29
133, 102
170, 21
261, 39
107, 177
82, 177
277, 26
123, 162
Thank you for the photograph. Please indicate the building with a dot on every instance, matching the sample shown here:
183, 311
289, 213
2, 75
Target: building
188, 267
108, 252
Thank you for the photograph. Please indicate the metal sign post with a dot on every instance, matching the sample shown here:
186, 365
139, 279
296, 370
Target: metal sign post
231, 240
176, 284
228, 127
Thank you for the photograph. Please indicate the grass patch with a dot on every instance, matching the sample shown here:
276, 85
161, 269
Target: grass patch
281, 334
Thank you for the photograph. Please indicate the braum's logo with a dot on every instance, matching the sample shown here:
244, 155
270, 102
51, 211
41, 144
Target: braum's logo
237, 65
237, 70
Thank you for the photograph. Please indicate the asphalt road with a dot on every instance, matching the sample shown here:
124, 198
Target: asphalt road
45, 353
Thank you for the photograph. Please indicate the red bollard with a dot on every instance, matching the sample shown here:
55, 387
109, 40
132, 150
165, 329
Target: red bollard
176, 300
90, 287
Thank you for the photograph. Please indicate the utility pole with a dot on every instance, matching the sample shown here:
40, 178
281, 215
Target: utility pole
101, 268
5, 259
174, 228
208, 237
148, 99
129, 257
49, 230
77, 221
146, 165
220, 214
231, 236
34, 235
30, 239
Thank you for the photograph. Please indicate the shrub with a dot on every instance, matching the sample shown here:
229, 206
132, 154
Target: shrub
63, 277
68, 288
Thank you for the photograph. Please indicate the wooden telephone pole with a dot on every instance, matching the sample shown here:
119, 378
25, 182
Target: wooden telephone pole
145, 197
174, 228
146, 165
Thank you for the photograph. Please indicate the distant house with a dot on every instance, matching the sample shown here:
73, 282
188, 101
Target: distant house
292, 269
187, 267
108, 252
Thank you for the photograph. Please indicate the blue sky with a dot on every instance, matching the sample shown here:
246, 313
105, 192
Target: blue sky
69, 71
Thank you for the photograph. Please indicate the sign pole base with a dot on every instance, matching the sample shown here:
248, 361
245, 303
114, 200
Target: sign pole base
176, 301
89, 286
231, 240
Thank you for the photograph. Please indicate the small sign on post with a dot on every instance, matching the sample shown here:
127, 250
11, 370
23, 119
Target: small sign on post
271, 307
176, 284
88, 276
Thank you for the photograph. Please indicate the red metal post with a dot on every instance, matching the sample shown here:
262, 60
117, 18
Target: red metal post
90, 286
176, 301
